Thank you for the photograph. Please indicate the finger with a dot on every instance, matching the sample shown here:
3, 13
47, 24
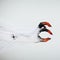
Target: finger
41, 25
45, 39
46, 23
47, 30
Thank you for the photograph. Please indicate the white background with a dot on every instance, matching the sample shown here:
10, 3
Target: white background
18, 16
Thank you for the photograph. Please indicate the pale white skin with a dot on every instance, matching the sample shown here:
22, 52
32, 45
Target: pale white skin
32, 36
